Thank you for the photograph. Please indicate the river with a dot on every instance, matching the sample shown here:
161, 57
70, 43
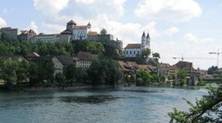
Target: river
128, 105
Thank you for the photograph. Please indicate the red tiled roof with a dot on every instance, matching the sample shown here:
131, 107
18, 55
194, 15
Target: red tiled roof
133, 46
92, 33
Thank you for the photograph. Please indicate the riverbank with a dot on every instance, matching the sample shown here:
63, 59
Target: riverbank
91, 88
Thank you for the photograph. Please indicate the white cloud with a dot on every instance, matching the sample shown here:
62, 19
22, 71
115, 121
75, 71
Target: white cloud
85, 1
192, 47
172, 30
50, 6
168, 9
2, 22
33, 26
109, 15
52, 28
128, 32
190, 37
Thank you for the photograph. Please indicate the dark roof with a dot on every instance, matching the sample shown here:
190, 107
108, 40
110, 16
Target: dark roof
71, 22
133, 46
65, 60
66, 32
184, 65
32, 56
86, 56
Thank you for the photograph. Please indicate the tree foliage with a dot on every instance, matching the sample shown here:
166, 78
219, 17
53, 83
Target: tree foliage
104, 71
145, 77
212, 70
88, 46
206, 110
181, 76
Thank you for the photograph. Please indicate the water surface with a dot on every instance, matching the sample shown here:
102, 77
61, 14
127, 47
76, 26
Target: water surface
128, 105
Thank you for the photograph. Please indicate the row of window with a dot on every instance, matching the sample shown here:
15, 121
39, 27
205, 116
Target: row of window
132, 52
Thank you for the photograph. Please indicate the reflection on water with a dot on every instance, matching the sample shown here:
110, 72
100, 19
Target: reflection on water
94, 99
128, 105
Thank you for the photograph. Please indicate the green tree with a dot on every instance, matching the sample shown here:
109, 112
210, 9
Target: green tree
88, 46
41, 72
181, 76
70, 73
143, 77
146, 53
104, 71
103, 32
60, 80
212, 70
205, 110
156, 57
143, 57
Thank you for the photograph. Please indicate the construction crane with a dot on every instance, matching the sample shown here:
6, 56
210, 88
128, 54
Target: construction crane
218, 53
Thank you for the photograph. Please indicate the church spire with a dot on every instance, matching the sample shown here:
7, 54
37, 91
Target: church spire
148, 36
144, 34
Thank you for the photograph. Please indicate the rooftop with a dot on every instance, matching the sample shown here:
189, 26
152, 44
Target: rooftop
92, 33
71, 22
86, 56
133, 46
65, 60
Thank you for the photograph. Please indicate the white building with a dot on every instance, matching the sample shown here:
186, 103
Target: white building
133, 50
51, 38
84, 60
77, 32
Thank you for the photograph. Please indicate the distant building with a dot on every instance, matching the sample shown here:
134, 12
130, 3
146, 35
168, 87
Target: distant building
192, 76
32, 56
164, 70
92, 36
9, 33
26, 35
50, 38
133, 50
84, 59
60, 63
77, 32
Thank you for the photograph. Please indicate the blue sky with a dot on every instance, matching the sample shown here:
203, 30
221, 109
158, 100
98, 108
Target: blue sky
188, 28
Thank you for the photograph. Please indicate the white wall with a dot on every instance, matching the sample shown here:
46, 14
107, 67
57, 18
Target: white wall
132, 52
79, 34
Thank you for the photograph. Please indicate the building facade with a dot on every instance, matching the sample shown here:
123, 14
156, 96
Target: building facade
133, 50
60, 63
77, 32
51, 38
26, 35
84, 60
8, 33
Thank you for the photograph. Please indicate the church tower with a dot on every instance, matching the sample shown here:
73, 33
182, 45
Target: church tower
145, 41
148, 40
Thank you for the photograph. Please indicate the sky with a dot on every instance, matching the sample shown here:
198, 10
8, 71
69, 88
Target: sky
178, 28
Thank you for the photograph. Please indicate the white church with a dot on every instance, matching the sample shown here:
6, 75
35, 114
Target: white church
133, 50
